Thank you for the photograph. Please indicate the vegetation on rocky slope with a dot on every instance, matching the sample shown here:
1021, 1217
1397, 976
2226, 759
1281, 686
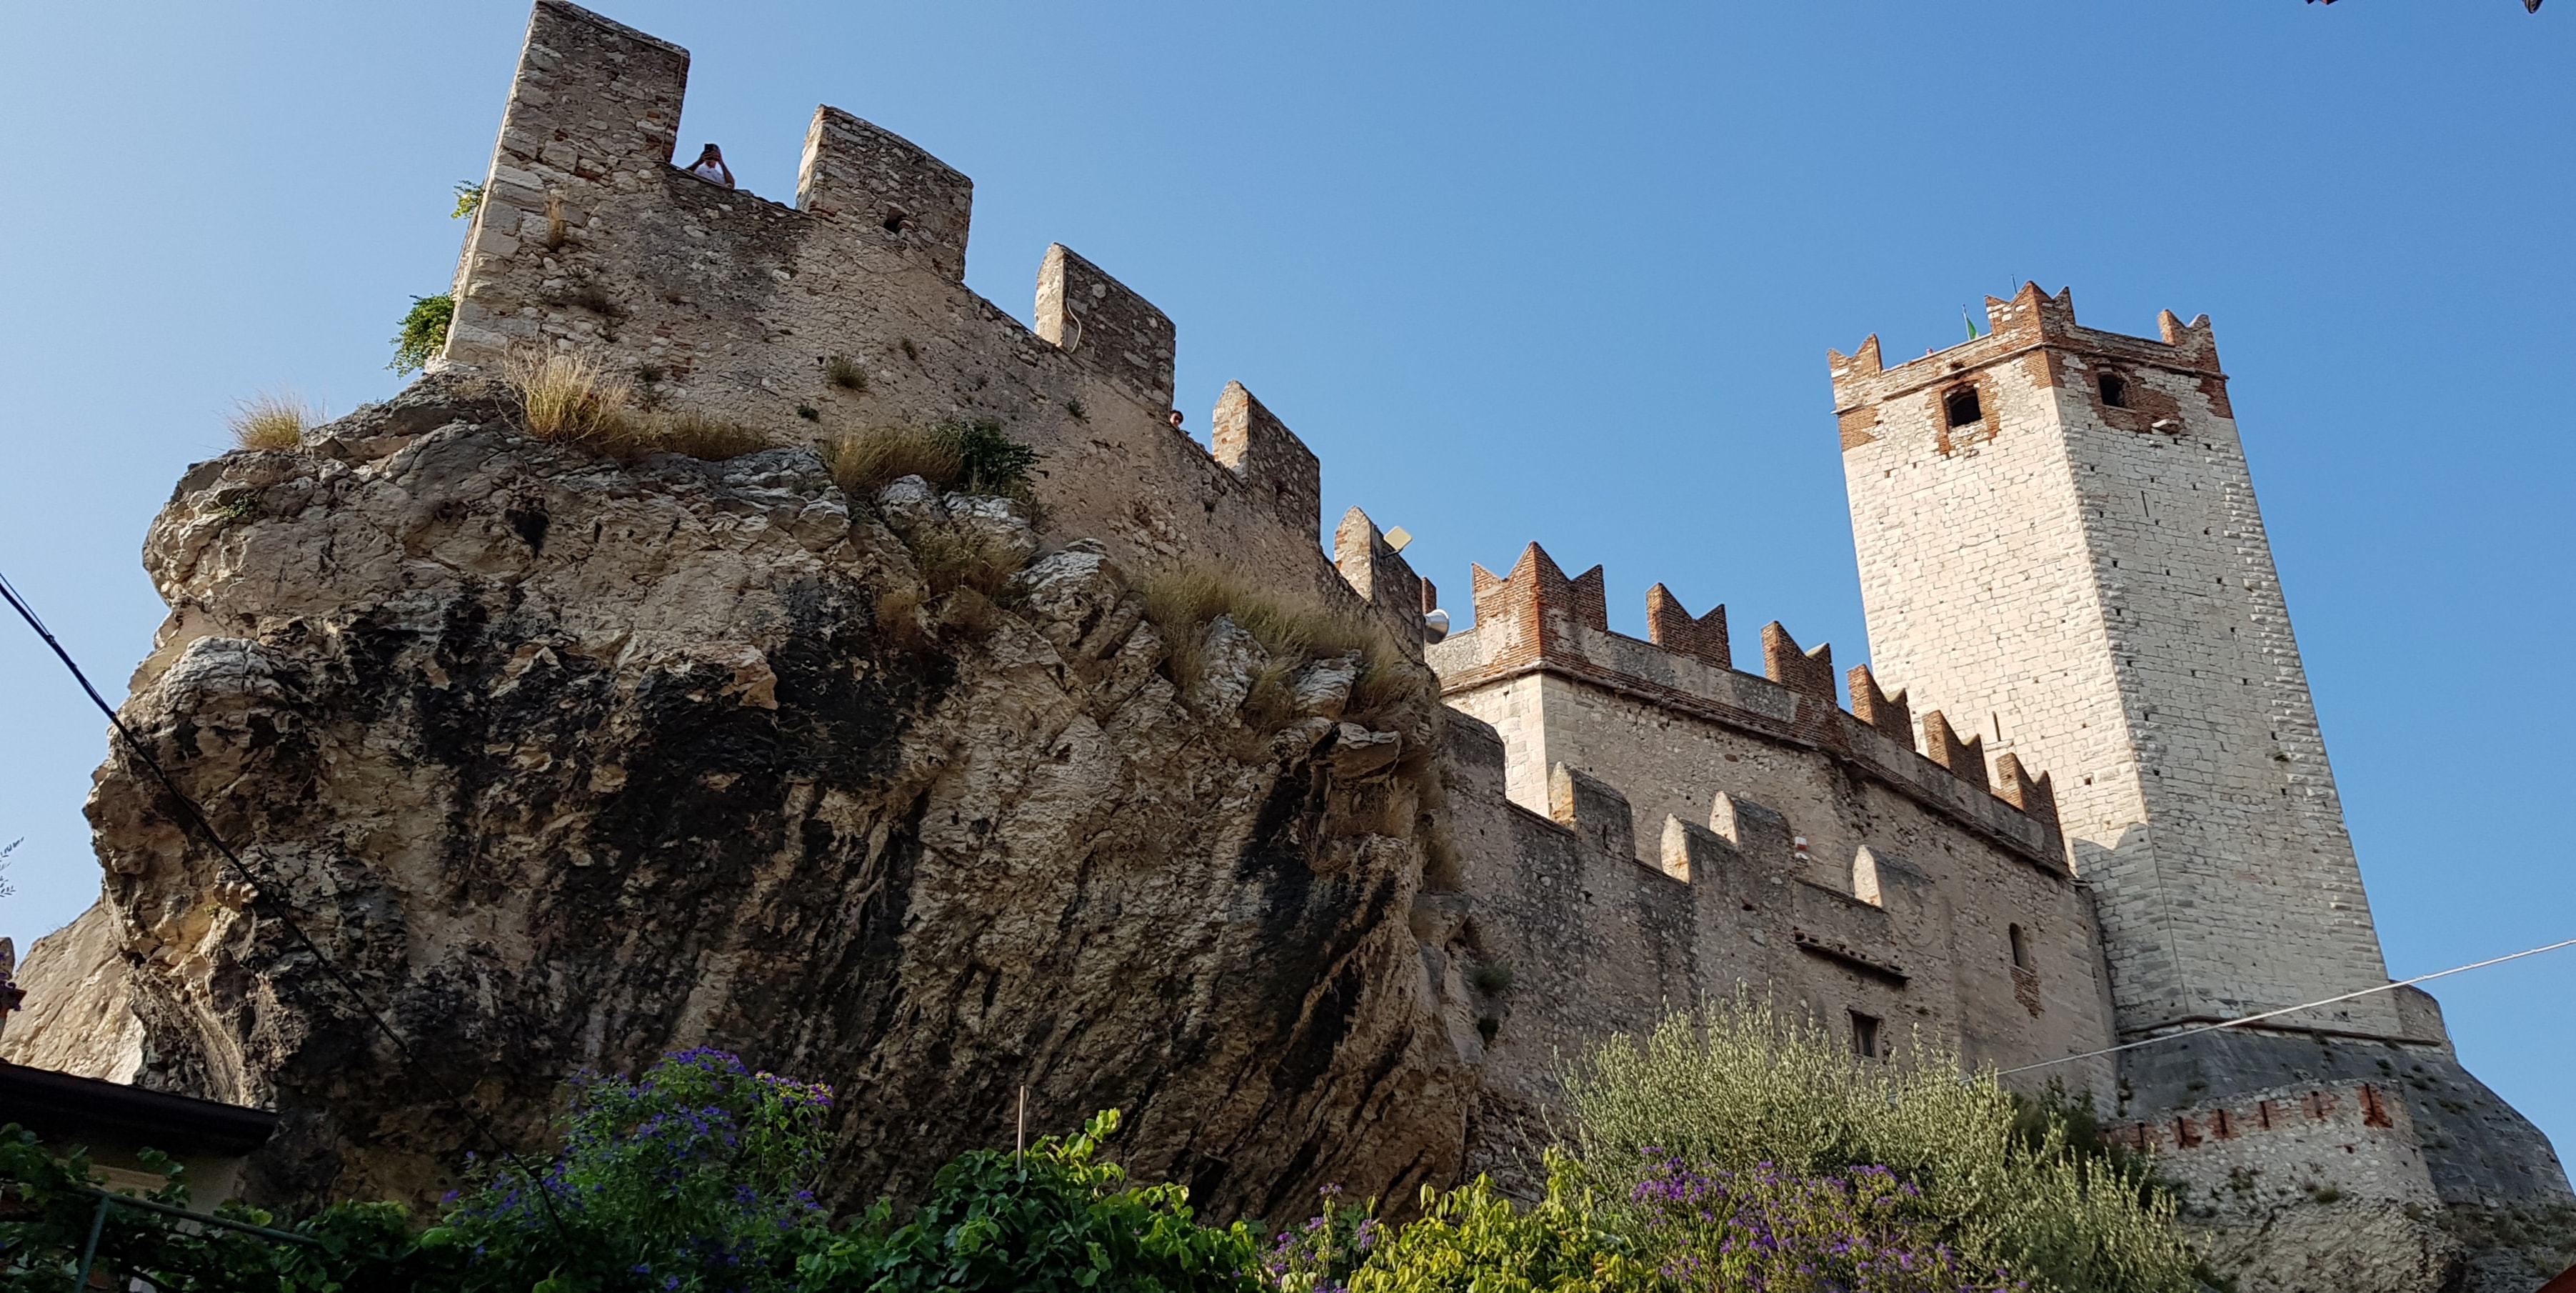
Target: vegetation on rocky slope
1787, 1167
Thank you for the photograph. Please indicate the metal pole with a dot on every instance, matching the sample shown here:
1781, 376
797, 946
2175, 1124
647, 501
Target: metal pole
89, 1251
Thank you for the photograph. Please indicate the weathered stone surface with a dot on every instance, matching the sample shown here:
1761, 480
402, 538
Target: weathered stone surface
76, 1018
567, 762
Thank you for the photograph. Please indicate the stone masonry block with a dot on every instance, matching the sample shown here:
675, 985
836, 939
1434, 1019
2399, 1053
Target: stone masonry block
882, 183
1106, 326
1596, 811
1278, 467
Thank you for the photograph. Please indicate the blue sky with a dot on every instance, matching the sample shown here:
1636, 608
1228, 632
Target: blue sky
1515, 271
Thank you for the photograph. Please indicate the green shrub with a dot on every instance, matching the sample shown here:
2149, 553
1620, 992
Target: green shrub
1471, 1240
1321, 1256
698, 1175
988, 461
1053, 1221
357, 1246
423, 333
1766, 1228
1738, 1085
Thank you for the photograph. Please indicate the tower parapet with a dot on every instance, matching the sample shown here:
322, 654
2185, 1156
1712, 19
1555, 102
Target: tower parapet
1538, 621
2058, 535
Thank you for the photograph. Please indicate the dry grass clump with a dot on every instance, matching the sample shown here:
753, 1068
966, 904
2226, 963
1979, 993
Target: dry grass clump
1182, 601
571, 399
949, 561
964, 457
274, 420
844, 372
701, 436
568, 397
864, 463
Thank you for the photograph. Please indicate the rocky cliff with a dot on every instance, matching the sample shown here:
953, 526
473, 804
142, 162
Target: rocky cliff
568, 760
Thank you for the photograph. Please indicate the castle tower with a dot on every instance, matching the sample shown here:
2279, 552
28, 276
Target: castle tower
2059, 547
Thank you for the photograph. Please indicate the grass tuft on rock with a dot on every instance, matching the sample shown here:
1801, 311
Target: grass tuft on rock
1182, 601
273, 420
570, 399
963, 457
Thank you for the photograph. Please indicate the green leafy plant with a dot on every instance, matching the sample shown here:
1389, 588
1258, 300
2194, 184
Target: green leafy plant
1051, 1221
423, 333
988, 461
469, 199
47, 1226
699, 1175
1472, 1239
1737, 1085
1766, 1228
1322, 1255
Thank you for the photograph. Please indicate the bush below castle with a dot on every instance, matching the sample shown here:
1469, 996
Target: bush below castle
700, 1175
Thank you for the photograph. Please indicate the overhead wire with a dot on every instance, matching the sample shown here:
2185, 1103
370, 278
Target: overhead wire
2285, 1010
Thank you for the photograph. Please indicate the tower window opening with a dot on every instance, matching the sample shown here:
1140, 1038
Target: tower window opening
895, 222
1960, 407
1864, 1035
2020, 948
2115, 390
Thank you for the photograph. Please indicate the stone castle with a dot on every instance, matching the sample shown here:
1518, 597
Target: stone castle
2078, 798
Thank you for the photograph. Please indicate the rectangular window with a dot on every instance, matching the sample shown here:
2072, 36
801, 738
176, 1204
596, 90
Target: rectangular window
1960, 407
1865, 1035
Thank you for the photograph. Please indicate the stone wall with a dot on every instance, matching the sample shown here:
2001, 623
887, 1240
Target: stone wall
727, 303
1645, 827
2090, 586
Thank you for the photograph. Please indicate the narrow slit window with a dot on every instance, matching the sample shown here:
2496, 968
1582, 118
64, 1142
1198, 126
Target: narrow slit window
1961, 408
1864, 1035
2020, 948
2115, 390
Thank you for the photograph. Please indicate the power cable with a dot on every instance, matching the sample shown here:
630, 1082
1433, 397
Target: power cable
195, 816
2285, 1010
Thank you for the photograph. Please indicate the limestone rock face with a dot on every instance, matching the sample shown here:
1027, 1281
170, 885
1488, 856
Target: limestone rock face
565, 762
77, 1018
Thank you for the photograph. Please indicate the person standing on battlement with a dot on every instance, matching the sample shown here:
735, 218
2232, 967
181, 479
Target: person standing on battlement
711, 167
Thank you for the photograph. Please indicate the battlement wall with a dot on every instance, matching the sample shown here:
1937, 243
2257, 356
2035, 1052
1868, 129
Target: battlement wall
1601, 936
724, 302
1537, 622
